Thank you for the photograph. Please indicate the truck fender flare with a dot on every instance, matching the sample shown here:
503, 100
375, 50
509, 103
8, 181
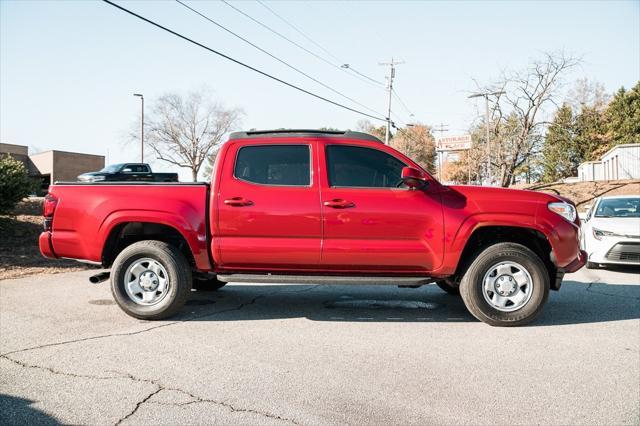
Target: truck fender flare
455, 243
196, 241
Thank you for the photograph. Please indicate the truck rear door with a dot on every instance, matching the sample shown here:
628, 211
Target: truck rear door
268, 207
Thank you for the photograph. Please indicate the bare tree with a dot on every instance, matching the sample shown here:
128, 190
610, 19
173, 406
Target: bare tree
187, 130
590, 94
366, 126
517, 115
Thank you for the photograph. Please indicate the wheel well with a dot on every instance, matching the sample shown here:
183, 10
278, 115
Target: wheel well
125, 234
486, 236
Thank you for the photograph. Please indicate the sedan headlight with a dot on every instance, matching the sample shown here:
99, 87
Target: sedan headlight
598, 234
565, 210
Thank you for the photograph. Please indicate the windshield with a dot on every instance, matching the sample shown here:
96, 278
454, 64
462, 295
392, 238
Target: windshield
112, 168
619, 207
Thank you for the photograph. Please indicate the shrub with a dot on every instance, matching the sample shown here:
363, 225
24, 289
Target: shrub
15, 183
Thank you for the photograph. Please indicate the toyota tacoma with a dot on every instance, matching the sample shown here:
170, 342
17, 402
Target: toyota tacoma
304, 206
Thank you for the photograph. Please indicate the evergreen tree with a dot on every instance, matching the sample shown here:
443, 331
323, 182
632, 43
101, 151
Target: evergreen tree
623, 117
560, 153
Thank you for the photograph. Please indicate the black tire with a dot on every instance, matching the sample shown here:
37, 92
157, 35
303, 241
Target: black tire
449, 287
179, 279
471, 286
207, 284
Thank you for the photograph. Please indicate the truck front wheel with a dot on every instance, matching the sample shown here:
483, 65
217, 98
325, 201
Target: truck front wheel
506, 285
150, 280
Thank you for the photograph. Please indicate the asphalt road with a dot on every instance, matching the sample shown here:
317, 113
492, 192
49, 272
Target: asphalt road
278, 354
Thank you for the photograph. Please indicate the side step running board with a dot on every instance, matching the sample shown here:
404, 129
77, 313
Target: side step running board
324, 279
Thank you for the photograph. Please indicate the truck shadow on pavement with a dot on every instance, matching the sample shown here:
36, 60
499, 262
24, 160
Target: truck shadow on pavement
575, 303
19, 411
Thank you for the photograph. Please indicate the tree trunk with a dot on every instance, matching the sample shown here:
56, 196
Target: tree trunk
194, 174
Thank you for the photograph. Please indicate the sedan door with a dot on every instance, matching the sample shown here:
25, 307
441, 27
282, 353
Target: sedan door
372, 223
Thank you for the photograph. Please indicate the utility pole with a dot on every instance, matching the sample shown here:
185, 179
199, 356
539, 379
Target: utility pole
441, 128
392, 74
486, 95
141, 126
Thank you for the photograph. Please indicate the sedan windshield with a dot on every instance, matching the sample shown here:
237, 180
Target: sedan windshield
619, 207
112, 168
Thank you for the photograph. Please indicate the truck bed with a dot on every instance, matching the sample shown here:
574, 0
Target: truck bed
88, 213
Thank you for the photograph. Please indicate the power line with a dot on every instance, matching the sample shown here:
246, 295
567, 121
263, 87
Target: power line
406, 108
274, 57
297, 30
241, 63
315, 55
346, 66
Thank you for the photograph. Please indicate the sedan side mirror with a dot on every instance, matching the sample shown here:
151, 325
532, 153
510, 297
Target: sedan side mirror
413, 178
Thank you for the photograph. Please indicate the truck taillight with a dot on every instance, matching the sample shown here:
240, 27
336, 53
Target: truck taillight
48, 208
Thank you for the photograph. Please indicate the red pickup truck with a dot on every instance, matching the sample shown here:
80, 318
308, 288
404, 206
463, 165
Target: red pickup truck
322, 207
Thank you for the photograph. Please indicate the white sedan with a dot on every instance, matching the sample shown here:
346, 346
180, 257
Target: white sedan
611, 231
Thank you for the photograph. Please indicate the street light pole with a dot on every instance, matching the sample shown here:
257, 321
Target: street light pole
141, 126
486, 95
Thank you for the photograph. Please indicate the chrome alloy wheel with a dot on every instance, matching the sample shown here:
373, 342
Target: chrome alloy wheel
507, 286
146, 281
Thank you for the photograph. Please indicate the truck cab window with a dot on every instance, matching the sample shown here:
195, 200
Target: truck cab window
354, 166
136, 168
274, 165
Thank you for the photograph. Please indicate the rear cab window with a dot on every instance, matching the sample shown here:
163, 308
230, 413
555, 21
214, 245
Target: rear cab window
284, 165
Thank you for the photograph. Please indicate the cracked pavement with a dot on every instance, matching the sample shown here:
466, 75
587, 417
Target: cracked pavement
283, 354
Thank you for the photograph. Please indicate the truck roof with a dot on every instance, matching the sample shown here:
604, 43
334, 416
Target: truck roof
303, 133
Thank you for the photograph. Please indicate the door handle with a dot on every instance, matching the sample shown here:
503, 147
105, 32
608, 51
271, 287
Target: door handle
339, 203
238, 202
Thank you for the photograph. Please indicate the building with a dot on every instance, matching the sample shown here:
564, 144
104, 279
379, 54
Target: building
622, 162
19, 152
590, 170
53, 166
619, 163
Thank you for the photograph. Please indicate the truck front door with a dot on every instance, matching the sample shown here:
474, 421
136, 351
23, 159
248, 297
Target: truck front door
371, 221
268, 207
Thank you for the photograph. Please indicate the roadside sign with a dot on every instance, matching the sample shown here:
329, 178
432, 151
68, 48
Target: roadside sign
453, 143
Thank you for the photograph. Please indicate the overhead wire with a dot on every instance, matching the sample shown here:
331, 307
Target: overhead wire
274, 56
238, 62
399, 99
315, 55
299, 31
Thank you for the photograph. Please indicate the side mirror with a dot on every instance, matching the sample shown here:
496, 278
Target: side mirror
127, 170
413, 178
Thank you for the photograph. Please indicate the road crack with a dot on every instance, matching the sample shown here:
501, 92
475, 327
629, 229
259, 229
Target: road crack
231, 407
590, 290
133, 333
159, 387
139, 404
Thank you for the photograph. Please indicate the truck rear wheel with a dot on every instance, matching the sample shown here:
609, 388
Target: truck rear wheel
150, 280
506, 285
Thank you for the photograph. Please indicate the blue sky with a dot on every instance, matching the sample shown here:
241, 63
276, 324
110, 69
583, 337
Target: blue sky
68, 69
